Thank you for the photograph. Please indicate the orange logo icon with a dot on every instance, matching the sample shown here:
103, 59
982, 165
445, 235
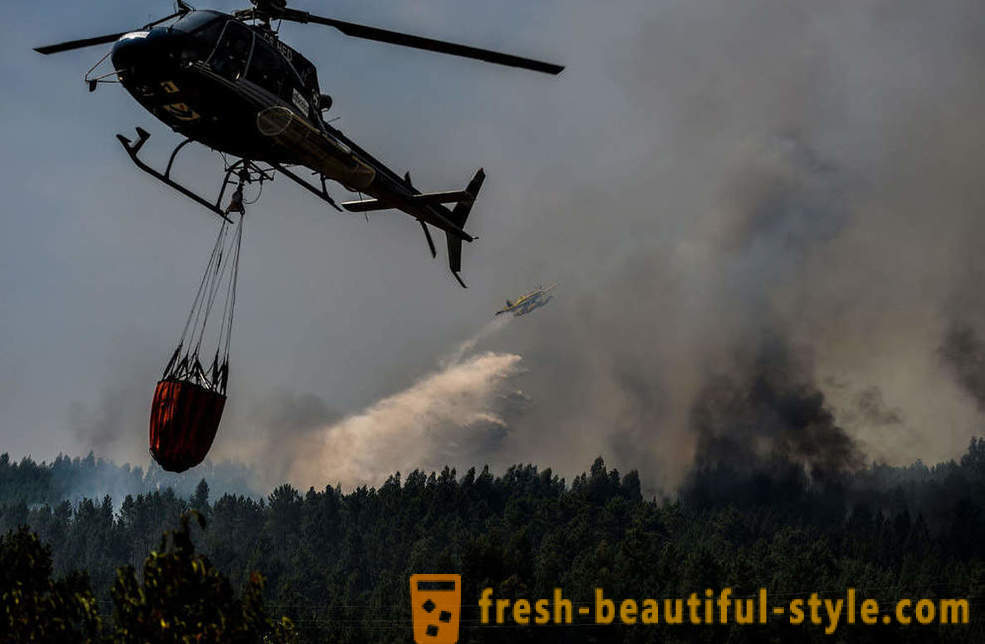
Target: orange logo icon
435, 604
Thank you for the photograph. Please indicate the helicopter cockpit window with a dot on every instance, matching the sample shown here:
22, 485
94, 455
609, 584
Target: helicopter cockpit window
195, 21
266, 68
233, 51
203, 29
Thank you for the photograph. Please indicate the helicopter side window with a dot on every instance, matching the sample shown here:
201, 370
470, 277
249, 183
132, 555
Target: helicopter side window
306, 71
266, 68
233, 51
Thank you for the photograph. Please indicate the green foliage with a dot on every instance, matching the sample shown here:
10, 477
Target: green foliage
34, 606
184, 598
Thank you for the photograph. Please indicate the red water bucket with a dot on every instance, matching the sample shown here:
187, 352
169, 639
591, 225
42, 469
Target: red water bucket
184, 418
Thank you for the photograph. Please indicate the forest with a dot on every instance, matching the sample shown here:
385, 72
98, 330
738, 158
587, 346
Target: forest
332, 566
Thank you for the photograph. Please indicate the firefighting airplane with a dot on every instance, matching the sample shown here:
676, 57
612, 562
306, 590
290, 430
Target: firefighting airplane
529, 302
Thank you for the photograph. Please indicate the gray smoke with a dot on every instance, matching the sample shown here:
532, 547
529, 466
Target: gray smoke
964, 354
116, 423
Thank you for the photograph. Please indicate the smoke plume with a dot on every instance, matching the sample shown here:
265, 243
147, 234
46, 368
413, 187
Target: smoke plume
770, 409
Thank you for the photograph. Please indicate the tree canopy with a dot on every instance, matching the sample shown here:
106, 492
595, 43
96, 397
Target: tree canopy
337, 562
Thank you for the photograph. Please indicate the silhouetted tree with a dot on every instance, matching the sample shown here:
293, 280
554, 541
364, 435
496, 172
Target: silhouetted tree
33, 606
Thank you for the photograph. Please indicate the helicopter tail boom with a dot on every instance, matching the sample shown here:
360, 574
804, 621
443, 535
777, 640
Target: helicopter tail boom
429, 209
422, 199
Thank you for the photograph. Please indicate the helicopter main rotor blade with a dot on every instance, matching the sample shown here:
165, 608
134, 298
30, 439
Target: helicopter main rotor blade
98, 40
419, 42
78, 44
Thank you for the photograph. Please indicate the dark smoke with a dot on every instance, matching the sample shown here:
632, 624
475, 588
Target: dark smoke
767, 412
766, 435
963, 351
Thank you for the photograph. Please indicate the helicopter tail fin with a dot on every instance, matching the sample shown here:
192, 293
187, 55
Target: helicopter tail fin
459, 216
462, 209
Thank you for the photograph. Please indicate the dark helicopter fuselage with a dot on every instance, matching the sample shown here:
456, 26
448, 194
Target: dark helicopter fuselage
208, 75
238, 89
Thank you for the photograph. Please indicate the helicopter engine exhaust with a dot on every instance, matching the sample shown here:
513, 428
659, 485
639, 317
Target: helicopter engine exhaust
315, 149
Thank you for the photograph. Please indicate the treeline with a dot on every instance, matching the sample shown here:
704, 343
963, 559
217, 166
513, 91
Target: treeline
179, 596
337, 563
73, 479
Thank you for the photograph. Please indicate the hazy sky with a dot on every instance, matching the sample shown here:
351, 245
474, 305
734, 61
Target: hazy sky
704, 175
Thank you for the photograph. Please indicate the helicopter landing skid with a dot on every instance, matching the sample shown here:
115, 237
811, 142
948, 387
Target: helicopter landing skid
321, 193
245, 172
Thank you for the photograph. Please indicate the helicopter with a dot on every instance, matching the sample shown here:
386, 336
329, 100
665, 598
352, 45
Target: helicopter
228, 82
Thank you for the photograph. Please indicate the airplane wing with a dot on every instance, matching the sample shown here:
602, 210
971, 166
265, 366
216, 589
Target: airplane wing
523, 299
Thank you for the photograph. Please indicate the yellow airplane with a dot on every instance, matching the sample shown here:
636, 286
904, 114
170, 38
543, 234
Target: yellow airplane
529, 302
